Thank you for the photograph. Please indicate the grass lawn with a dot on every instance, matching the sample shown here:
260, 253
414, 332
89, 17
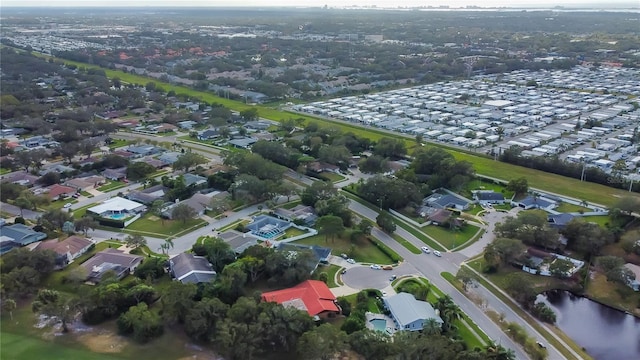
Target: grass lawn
21, 347
420, 235
112, 185
4, 171
291, 232
331, 271
59, 204
86, 194
80, 212
406, 244
331, 176
151, 224
361, 251
568, 208
482, 184
117, 143
475, 209
600, 220
450, 238
613, 294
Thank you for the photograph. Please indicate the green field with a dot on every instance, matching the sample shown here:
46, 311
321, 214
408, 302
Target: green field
361, 251
152, 225
451, 238
112, 185
20, 347
568, 208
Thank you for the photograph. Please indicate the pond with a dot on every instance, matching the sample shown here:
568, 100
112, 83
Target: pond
605, 333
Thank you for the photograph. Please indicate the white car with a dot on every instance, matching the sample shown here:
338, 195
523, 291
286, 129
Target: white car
437, 253
384, 293
376, 267
67, 205
426, 250
351, 261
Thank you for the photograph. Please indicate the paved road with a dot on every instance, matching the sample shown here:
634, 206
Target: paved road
14, 210
363, 277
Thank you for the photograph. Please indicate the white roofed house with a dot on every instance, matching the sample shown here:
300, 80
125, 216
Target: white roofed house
408, 313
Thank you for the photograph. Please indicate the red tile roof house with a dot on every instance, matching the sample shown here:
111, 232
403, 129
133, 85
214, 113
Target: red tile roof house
57, 191
312, 296
68, 249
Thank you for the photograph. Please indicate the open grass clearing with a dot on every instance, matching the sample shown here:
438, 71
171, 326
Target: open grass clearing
409, 246
450, 238
151, 224
360, 250
483, 184
112, 185
22, 347
566, 207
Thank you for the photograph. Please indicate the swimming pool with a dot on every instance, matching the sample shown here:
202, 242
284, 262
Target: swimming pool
379, 324
118, 216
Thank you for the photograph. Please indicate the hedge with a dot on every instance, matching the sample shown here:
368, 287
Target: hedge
386, 250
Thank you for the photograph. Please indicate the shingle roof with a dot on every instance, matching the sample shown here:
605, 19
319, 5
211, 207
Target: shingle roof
315, 296
189, 268
406, 309
21, 234
489, 195
72, 244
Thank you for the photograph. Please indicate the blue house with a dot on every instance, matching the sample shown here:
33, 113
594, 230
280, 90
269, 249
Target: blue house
18, 235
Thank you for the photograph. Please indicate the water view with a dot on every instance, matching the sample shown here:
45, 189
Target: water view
604, 332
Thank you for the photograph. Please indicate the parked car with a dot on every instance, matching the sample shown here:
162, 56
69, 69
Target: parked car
375, 267
387, 267
437, 253
426, 250
351, 261
384, 293
67, 205
393, 277
344, 256
344, 271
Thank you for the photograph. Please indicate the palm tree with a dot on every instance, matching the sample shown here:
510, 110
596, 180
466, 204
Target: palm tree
431, 327
449, 311
168, 244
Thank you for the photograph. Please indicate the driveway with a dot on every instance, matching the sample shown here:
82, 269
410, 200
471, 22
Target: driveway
363, 277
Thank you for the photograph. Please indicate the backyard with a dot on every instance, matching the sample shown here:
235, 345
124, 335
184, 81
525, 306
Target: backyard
566, 207
152, 225
361, 250
481, 184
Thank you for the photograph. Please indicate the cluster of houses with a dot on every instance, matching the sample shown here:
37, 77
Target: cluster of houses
476, 113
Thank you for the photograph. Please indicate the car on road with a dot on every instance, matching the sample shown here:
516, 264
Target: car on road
387, 267
384, 293
351, 261
437, 253
376, 267
344, 271
67, 205
425, 250
393, 277
541, 345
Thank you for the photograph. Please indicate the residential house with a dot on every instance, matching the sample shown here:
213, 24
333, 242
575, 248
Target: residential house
238, 241
149, 195
408, 313
58, 168
559, 221
143, 150
320, 253
191, 269
443, 217
260, 125
536, 202
18, 235
447, 201
242, 143
195, 180
156, 163
110, 260
123, 153
57, 191
117, 208
68, 249
320, 166
306, 214
85, 183
21, 178
115, 174
169, 157
488, 197
312, 296
209, 134
198, 202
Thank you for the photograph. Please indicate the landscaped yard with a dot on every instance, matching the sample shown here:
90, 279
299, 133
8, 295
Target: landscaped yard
361, 251
291, 232
331, 176
331, 271
565, 207
151, 224
451, 238
59, 204
112, 185
481, 184
80, 212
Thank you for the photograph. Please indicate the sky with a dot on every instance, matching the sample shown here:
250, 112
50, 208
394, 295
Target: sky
316, 3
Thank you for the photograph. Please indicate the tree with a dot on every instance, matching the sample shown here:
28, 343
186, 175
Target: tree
87, 147
188, 160
23, 203
142, 323
386, 222
322, 343
586, 237
519, 186
365, 226
54, 219
52, 303
49, 178
374, 164
183, 212
330, 226
217, 251
390, 148
520, 286
152, 267
156, 209
466, 277
249, 114
9, 305
168, 244
135, 241
202, 320
504, 250
139, 170
85, 224
373, 345
628, 204
449, 311
252, 266
319, 190
176, 301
